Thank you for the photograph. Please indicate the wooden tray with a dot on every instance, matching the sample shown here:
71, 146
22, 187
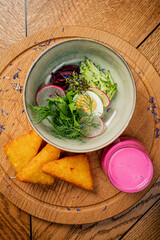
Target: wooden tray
62, 202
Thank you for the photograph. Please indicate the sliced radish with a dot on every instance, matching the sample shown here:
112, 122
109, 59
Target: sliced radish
102, 95
47, 92
94, 132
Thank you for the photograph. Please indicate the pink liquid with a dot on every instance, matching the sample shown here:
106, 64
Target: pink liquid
130, 169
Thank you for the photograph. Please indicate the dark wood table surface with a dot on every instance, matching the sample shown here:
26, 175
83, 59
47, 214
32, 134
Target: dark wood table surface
137, 22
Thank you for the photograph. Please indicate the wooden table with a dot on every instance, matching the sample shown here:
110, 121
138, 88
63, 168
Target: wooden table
137, 22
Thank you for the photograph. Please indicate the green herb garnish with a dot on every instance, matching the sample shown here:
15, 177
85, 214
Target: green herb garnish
66, 120
77, 83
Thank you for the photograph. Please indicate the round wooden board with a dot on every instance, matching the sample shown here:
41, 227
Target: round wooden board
62, 202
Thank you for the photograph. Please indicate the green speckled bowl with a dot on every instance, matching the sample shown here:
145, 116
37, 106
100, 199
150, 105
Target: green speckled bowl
73, 51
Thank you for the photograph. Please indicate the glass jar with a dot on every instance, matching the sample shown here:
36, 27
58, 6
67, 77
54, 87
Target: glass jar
127, 164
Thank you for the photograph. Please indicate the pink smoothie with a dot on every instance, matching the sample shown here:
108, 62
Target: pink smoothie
127, 165
130, 169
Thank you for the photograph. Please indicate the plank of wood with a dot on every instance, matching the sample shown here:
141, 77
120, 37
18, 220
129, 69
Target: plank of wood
151, 225
14, 223
12, 23
111, 229
151, 49
130, 20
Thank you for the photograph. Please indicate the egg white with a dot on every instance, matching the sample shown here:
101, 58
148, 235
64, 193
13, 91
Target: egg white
98, 111
99, 105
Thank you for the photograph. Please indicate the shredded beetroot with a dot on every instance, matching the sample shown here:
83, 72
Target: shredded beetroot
58, 78
64, 74
70, 68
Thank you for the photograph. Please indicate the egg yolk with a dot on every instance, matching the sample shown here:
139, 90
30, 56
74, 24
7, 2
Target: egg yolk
86, 103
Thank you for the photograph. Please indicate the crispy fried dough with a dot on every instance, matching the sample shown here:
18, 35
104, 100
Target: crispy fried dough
21, 150
73, 169
32, 171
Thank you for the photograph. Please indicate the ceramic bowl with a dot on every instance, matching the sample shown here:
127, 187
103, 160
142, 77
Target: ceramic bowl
73, 51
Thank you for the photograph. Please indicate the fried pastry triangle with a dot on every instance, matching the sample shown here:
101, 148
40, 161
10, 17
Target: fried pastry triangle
21, 150
32, 171
73, 169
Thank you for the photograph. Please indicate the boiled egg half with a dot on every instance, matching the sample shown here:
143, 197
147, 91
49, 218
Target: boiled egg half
89, 101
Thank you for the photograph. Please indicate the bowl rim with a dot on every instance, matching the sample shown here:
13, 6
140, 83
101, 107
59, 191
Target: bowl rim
131, 111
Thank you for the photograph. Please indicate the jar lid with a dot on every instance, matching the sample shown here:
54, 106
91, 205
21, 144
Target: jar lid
129, 169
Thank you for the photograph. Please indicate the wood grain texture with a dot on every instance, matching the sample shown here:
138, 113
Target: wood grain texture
49, 202
12, 22
81, 231
151, 49
130, 20
150, 223
14, 223
111, 229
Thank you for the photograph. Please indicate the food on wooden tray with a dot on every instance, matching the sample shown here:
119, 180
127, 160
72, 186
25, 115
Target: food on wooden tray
73, 169
21, 150
88, 90
32, 171
42, 167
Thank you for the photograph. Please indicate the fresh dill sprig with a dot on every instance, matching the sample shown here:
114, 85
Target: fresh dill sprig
66, 120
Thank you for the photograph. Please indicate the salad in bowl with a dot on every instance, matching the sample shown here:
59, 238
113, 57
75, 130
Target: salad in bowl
79, 95
74, 99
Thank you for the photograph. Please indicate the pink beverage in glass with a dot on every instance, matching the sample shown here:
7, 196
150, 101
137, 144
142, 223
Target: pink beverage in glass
127, 165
